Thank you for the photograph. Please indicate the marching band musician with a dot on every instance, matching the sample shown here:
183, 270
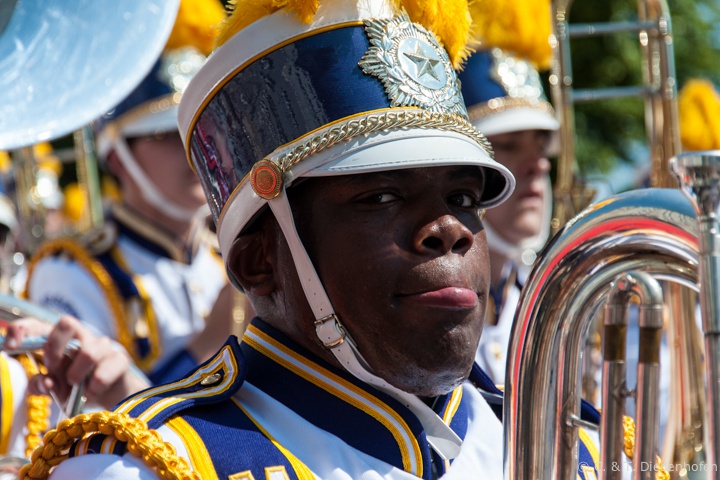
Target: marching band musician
349, 191
150, 279
506, 102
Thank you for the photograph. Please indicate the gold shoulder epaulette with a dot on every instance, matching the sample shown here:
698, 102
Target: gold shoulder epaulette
141, 441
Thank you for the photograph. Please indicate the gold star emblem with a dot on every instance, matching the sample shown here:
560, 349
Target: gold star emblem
425, 65
412, 66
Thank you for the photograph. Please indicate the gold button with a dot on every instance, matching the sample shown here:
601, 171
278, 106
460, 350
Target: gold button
211, 379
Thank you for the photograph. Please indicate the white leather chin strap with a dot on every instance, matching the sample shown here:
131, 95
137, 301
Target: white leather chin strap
149, 191
440, 436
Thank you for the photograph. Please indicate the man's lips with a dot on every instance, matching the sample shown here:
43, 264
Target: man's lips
448, 297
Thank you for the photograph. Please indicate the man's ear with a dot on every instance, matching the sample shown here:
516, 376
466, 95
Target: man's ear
250, 261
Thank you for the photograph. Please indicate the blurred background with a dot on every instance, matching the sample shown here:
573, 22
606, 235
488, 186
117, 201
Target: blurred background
611, 149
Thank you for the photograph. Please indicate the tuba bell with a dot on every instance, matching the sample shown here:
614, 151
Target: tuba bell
65, 63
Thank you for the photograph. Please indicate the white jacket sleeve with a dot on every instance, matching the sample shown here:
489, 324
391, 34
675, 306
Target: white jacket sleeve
103, 466
65, 285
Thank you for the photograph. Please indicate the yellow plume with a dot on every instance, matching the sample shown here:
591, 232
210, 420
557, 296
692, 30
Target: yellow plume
245, 12
196, 25
521, 27
449, 20
699, 108
5, 162
74, 207
46, 158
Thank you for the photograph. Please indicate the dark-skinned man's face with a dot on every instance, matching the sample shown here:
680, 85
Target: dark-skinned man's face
403, 258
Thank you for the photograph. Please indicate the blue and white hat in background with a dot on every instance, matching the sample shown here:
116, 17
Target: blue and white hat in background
504, 93
152, 108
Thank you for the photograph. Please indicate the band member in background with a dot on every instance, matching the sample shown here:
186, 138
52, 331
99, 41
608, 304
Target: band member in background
150, 278
505, 100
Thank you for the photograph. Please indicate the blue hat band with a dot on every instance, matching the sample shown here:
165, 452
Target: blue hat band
278, 98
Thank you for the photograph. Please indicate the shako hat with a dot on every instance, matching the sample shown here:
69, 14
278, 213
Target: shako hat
500, 82
355, 87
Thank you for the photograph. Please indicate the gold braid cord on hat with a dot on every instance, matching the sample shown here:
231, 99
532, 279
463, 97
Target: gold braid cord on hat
394, 119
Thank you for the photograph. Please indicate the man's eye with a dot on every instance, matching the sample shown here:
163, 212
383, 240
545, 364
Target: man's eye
463, 200
379, 198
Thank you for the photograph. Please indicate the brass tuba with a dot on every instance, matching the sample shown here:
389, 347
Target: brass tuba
65, 63
62, 65
635, 242
655, 231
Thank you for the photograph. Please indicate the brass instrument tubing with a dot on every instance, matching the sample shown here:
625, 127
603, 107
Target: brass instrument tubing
699, 177
649, 291
653, 231
613, 382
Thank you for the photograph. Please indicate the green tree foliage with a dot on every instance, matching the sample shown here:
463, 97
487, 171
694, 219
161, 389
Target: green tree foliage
609, 132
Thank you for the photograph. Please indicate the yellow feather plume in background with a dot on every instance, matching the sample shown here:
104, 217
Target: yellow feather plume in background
521, 27
699, 108
449, 20
196, 25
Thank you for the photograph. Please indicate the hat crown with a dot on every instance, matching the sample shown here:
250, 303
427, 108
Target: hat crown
160, 89
281, 98
491, 74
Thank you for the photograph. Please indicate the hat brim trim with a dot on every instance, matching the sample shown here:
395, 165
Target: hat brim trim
394, 150
515, 120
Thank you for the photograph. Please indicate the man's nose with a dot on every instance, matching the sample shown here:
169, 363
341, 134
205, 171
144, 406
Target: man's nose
443, 234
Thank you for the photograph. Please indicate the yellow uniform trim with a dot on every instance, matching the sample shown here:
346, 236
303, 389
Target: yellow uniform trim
590, 445
96, 271
244, 475
453, 404
199, 456
6, 414
271, 473
147, 362
450, 410
108, 445
38, 407
588, 473
224, 357
142, 226
416, 469
300, 469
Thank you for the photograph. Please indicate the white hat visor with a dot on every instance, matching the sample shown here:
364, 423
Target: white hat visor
393, 150
515, 120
